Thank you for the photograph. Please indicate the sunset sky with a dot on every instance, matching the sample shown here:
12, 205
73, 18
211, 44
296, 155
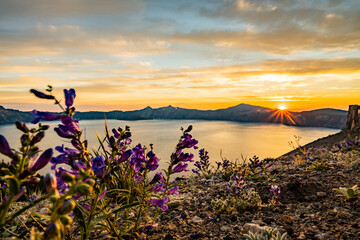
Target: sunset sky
204, 54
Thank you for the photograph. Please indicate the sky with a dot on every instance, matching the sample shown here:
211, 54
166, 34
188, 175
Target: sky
204, 54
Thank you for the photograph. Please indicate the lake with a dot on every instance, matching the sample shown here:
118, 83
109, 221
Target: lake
230, 140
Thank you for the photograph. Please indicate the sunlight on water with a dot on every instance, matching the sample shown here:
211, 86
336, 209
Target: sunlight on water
231, 138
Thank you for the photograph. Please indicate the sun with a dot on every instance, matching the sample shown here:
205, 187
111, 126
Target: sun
282, 107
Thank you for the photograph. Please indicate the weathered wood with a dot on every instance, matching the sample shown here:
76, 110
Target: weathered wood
353, 118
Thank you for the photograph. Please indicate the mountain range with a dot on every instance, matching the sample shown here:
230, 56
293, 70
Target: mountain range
327, 117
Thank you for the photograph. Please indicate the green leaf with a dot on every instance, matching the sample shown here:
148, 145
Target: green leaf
79, 216
124, 207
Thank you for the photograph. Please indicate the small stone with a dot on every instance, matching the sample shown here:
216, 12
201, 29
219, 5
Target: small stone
254, 228
196, 219
44, 211
321, 194
225, 228
302, 236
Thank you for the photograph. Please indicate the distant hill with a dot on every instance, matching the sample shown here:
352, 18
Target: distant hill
331, 118
11, 116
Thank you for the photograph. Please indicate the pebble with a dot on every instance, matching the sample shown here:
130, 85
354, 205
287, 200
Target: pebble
197, 219
225, 228
254, 228
321, 194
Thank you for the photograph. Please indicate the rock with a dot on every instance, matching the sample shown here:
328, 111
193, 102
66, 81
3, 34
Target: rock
302, 236
287, 219
321, 194
44, 211
197, 219
254, 228
225, 228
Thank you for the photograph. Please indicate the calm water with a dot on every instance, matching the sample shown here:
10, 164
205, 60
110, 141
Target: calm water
232, 139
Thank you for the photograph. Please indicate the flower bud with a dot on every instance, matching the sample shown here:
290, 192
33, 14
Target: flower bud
50, 182
22, 127
53, 231
66, 220
42, 161
67, 207
67, 177
37, 138
90, 181
84, 189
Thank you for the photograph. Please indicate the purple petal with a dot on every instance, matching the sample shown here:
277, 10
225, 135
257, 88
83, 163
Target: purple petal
69, 97
41, 94
173, 190
5, 149
42, 160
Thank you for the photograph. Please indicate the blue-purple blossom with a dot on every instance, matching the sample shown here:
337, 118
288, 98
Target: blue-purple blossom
275, 194
5, 149
69, 128
158, 187
69, 97
173, 190
149, 227
65, 156
180, 167
125, 156
41, 94
116, 133
138, 178
37, 138
137, 158
42, 161
22, 127
157, 178
153, 162
44, 116
32, 198
161, 203
98, 165
188, 142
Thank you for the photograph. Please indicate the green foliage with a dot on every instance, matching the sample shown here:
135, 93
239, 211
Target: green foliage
319, 166
269, 234
348, 194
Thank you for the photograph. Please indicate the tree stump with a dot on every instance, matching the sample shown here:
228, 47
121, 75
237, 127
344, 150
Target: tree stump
353, 118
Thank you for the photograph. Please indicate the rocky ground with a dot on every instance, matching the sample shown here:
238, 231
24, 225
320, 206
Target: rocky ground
309, 208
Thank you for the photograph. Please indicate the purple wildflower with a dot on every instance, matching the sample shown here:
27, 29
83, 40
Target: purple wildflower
138, 178
158, 187
32, 198
275, 194
157, 178
153, 162
180, 167
37, 138
98, 165
125, 156
41, 94
149, 227
69, 97
173, 190
69, 128
161, 203
137, 158
188, 142
44, 116
116, 133
5, 149
22, 127
42, 161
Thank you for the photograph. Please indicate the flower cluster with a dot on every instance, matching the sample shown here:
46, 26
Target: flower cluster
203, 166
275, 194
